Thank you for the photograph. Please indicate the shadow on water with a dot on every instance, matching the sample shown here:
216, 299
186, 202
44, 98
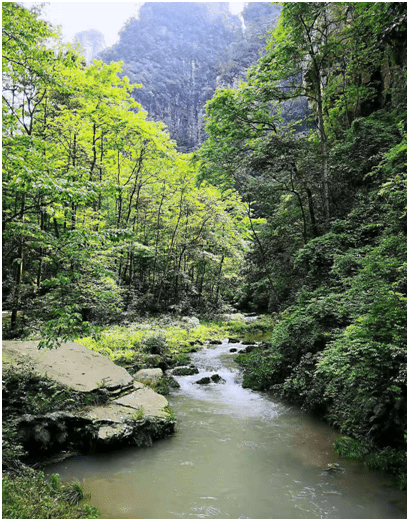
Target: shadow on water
237, 454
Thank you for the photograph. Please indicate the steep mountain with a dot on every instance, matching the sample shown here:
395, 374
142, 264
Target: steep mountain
92, 42
249, 43
181, 52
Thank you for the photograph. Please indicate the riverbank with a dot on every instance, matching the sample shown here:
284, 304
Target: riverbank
238, 453
43, 414
364, 398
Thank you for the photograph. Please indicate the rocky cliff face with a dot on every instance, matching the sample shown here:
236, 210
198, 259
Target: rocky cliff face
181, 52
248, 44
92, 42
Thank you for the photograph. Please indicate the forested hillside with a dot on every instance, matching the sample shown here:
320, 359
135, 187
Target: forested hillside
329, 249
294, 206
100, 213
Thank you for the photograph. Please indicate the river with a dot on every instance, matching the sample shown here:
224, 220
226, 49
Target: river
238, 454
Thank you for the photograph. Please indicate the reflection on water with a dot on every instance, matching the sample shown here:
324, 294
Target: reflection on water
237, 454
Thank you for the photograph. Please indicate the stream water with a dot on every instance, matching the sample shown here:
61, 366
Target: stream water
238, 454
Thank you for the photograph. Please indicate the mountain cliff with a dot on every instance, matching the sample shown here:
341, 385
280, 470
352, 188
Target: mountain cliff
181, 52
92, 42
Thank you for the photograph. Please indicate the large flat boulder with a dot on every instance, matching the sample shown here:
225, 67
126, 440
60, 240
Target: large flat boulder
71, 364
138, 416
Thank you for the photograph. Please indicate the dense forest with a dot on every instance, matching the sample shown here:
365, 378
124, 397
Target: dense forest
297, 214
329, 242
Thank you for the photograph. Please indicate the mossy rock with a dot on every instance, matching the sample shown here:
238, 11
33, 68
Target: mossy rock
185, 371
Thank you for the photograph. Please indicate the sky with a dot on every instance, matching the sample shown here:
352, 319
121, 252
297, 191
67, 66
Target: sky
106, 17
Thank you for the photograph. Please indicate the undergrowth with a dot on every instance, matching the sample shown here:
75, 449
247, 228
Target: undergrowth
166, 335
30, 495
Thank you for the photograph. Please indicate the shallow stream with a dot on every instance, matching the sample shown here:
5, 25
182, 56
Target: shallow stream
238, 454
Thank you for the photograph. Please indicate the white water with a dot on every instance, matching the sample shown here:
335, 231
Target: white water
237, 454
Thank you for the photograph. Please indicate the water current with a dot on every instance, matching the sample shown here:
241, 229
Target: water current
237, 454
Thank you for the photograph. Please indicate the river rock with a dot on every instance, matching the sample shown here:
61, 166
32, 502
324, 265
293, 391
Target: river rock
185, 371
149, 376
248, 343
215, 342
234, 340
217, 379
333, 468
204, 381
233, 350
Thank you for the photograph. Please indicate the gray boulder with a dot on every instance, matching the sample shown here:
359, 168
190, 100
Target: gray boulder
149, 376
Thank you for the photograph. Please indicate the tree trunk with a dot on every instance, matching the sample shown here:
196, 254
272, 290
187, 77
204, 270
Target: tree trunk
324, 147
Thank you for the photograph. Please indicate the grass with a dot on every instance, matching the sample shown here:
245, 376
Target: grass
176, 338
139, 415
30, 495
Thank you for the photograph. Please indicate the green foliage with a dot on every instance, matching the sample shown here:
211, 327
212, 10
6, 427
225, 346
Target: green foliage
25, 392
156, 345
167, 335
262, 369
12, 449
347, 447
165, 384
101, 214
181, 359
263, 324
30, 495
388, 460
392, 462
331, 251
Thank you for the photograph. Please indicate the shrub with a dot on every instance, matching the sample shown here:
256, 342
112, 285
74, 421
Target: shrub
347, 447
391, 461
156, 345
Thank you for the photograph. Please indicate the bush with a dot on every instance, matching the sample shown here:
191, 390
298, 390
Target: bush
364, 389
349, 448
306, 328
156, 345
